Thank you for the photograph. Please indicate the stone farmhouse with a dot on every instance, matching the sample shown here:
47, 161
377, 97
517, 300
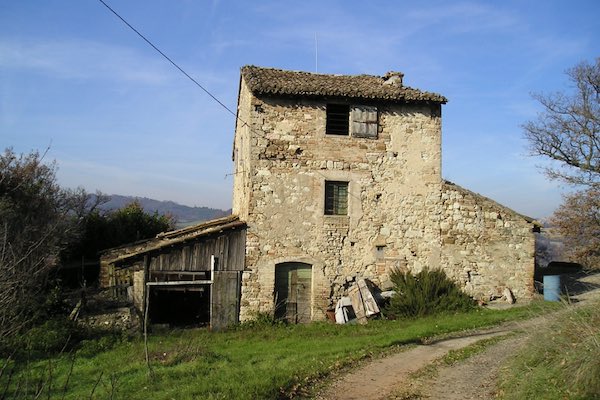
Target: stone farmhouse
339, 178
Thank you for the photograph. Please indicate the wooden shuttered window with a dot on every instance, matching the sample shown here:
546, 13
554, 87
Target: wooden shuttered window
364, 121
336, 198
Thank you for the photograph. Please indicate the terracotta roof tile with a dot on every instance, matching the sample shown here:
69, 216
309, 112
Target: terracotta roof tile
271, 81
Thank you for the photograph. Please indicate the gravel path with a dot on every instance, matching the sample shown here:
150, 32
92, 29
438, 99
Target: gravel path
473, 378
384, 378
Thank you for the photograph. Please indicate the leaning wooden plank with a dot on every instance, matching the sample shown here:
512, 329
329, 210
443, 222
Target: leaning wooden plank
357, 304
371, 307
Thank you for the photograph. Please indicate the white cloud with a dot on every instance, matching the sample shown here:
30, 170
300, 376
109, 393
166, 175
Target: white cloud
81, 59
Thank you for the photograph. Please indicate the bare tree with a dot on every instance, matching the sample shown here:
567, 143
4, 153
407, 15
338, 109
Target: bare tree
37, 219
568, 133
568, 129
578, 220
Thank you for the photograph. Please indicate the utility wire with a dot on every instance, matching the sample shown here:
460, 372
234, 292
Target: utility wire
193, 80
172, 62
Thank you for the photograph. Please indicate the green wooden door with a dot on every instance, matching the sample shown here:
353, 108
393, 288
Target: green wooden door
293, 287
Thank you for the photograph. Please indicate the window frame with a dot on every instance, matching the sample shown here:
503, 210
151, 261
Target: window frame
337, 119
352, 120
335, 201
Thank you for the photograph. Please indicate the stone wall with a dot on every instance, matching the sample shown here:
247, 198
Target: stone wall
401, 215
486, 247
283, 158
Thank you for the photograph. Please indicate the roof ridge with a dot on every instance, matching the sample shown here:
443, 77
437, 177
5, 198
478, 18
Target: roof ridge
276, 81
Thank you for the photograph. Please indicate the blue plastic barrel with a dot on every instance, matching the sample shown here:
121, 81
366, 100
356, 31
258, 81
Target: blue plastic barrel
552, 287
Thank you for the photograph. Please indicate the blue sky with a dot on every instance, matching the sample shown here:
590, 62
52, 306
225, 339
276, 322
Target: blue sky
119, 118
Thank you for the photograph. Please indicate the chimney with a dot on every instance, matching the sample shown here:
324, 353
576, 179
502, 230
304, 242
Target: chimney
393, 78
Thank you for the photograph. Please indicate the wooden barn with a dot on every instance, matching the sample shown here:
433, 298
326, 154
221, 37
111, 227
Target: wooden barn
191, 276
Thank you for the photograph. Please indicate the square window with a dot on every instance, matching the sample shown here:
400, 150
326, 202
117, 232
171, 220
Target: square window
338, 119
336, 198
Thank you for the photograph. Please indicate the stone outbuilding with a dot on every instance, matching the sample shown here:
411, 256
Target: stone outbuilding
339, 178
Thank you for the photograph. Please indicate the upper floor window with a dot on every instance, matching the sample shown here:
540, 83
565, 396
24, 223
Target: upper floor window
338, 119
336, 198
358, 121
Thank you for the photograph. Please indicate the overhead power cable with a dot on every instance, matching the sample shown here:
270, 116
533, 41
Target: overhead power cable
171, 61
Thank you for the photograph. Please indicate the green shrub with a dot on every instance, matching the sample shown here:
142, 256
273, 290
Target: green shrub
50, 337
91, 347
53, 336
426, 293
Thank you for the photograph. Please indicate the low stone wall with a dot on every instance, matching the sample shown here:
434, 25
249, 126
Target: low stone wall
119, 319
486, 247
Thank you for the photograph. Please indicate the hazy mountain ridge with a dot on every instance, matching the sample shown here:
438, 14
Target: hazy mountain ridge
184, 215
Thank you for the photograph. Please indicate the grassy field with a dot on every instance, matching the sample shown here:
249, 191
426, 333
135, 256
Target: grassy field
249, 362
561, 362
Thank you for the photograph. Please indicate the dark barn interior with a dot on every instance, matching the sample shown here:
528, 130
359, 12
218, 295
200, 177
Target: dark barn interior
180, 306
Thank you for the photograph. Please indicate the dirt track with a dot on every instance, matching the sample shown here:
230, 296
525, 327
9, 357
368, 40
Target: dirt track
474, 378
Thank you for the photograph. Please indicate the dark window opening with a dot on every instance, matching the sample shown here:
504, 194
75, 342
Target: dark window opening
338, 117
336, 198
180, 306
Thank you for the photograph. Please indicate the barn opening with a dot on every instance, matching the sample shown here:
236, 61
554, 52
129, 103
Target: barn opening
184, 306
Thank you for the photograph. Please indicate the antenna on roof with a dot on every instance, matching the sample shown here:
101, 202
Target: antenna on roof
316, 53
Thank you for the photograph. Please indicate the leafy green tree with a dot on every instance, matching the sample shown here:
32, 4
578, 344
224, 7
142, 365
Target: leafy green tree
104, 230
132, 223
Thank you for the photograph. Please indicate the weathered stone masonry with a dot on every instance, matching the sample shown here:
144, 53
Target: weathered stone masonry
400, 213
486, 246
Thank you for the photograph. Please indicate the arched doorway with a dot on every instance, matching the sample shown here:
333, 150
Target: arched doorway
293, 287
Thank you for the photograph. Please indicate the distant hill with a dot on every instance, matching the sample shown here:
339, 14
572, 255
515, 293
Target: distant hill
185, 215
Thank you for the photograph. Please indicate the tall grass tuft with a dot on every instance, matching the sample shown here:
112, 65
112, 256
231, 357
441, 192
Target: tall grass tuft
562, 361
426, 293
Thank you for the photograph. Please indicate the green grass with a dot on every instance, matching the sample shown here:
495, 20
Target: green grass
560, 362
243, 363
455, 356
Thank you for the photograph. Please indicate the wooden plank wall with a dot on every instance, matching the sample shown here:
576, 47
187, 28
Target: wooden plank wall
194, 257
225, 299
228, 247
